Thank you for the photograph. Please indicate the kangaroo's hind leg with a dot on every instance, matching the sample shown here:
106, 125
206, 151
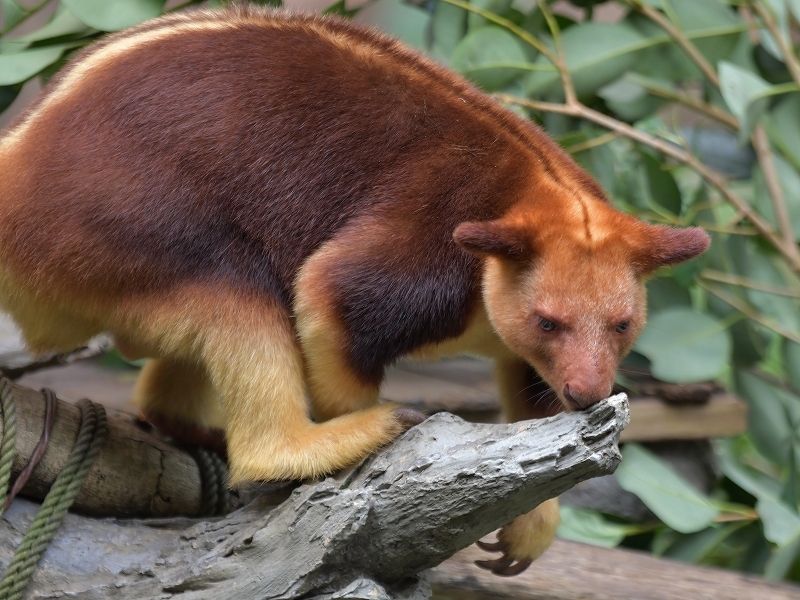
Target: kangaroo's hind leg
248, 349
176, 395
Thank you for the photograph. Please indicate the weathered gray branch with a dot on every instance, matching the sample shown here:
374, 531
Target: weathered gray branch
364, 534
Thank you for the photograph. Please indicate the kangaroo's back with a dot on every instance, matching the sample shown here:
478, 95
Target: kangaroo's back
231, 146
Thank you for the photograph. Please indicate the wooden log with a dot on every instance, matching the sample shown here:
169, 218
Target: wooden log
465, 387
364, 534
136, 474
572, 571
652, 420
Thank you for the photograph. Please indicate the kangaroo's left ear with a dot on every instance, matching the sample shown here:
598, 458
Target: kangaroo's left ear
662, 246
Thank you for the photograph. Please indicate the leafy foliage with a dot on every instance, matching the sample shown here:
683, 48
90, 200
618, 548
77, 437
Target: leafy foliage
607, 90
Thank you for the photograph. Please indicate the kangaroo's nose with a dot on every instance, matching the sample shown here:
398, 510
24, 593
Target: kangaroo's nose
577, 399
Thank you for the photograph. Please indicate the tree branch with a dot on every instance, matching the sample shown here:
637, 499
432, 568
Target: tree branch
559, 60
676, 34
363, 534
765, 160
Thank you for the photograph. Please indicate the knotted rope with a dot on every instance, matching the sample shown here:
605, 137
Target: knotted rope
91, 435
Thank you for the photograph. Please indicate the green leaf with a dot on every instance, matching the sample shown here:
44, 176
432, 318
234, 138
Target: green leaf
783, 125
781, 522
695, 17
754, 550
794, 6
114, 360
589, 527
628, 99
709, 24
498, 7
19, 67
596, 54
745, 94
113, 15
695, 547
13, 14
766, 416
749, 343
340, 8
399, 19
491, 57
448, 26
791, 356
685, 346
750, 479
761, 269
661, 186
62, 24
780, 14
664, 293
667, 494
789, 494
782, 560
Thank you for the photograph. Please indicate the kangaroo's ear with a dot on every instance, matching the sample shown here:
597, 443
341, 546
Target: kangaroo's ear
664, 246
494, 238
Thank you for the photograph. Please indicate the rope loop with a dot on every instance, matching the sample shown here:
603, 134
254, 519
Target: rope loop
91, 435
8, 437
213, 477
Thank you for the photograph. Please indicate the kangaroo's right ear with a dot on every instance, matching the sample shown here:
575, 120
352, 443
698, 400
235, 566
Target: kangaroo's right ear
494, 238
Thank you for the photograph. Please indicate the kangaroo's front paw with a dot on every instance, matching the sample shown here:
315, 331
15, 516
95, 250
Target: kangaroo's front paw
523, 540
408, 417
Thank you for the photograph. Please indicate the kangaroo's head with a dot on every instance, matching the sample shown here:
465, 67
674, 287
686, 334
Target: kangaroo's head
563, 285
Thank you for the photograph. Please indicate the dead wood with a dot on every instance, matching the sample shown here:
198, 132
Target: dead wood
572, 571
136, 474
363, 534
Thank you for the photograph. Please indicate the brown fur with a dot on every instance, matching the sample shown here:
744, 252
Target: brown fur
266, 204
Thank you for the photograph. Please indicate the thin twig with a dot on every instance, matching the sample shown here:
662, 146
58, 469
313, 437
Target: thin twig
749, 311
506, 24
662, 21
560, 61
791, 60
600, 140
766, 161
708, 110
730, 230
723, 277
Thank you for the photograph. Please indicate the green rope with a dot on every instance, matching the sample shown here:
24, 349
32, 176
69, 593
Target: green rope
58, 500
213, 478
8, 437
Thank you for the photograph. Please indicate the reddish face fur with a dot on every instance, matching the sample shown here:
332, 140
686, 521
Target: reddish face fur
564, 283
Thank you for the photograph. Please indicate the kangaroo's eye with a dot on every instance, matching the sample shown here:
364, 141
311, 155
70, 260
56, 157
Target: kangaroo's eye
623, 327
547, 324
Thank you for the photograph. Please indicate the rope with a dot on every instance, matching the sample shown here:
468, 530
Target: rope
8, 437
50, 402
91, 435
213, 475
